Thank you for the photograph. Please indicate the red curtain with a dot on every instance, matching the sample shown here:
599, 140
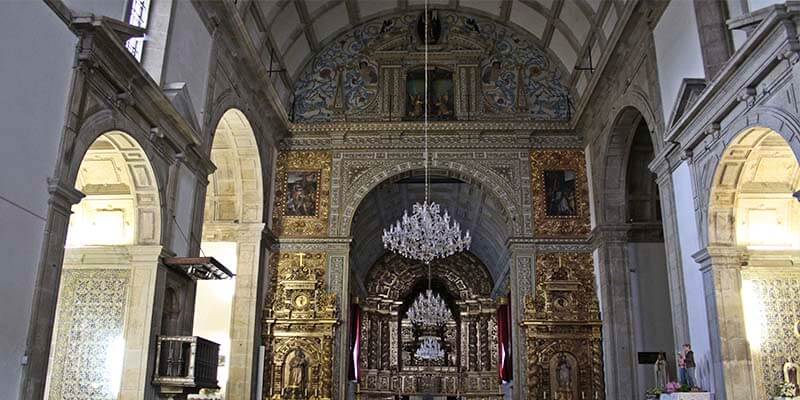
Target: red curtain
355, 342
504, 341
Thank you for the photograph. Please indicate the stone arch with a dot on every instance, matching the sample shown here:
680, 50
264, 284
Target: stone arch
470, 173
235, 190
717, 222
612, 208
232, 229
116, 170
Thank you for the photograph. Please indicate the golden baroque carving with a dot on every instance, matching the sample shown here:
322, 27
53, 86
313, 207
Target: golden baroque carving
563, 329
311, 221
573, 219
565, 288
299, 329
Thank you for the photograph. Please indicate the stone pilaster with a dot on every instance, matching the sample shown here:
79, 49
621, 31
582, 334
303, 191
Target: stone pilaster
45, 291
244, 310
522, 258
616, 310
677, 290
730, 352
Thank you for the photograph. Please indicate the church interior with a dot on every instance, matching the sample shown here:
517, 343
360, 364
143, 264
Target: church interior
400, 199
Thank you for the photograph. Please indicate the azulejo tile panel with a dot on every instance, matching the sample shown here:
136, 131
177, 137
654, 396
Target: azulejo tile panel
514, 75
89, 343
560, 194
302, 194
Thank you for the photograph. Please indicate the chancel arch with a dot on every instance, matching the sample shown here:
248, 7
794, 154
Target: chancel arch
106, 301
466, 200
232, 229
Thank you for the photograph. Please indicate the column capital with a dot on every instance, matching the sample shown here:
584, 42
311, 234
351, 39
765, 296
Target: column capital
609, 233
719, 257
63, 196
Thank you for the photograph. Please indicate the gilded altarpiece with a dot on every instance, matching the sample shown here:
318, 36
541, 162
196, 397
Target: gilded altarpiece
388, 340
560, 194
299, 329
563, 329
302, 194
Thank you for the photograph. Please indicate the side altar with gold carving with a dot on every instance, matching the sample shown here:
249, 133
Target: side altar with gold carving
563, 330
299, 330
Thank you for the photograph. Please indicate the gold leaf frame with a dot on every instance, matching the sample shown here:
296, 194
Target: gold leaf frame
302, 226
546, 226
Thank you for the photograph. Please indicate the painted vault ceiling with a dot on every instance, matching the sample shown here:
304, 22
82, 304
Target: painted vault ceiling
572, 31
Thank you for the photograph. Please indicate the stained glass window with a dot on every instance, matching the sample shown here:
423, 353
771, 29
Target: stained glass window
137, 16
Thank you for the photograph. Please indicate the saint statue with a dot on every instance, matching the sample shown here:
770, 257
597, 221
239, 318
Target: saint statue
662, 375
790, 370
564, 379
297, 375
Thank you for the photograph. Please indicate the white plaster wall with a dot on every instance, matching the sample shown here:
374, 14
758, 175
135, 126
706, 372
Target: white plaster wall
650, 291
758, 4
678, 53
110, 8
692, 277
188, 54
35, 72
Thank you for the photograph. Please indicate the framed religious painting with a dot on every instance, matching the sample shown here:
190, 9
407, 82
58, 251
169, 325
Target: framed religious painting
560, 193
439, 98
302, 192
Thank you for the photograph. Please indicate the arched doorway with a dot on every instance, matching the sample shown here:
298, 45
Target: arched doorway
754, 224
108, 284
383, 286
640, 289
647, 259
232, 229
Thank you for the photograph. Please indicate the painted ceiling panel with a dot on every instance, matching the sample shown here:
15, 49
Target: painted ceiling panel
286, 23
528, 18
371, 7
560, 45
575, 19
333, 20
295, 55
492, 7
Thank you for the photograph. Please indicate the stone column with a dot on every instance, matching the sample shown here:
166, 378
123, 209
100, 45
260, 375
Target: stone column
137, 371
244, 311
521, 277
730, 352
614, 292
45, 291
677, 290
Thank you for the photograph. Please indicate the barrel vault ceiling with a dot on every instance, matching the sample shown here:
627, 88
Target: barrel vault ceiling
577, 32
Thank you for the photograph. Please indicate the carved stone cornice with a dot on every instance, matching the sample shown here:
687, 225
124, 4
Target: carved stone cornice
517, 124
326, 244
414, 139
719, 257
61, 196
607, 234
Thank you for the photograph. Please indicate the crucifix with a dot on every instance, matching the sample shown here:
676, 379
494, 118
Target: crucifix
301, 255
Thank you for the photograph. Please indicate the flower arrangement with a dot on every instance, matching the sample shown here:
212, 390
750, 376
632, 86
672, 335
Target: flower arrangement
673, 387
785, 389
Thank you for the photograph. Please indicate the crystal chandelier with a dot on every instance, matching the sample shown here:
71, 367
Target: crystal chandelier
430, 349
429, 310
425, 234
